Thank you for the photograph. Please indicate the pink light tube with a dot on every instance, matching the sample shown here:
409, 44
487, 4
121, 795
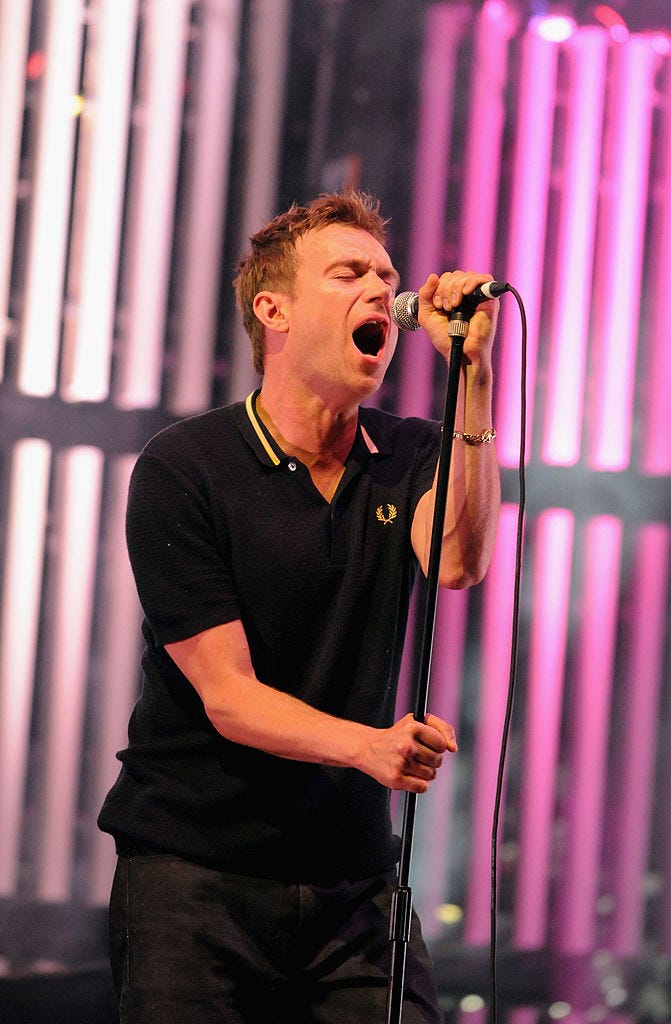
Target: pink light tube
526, 237
665, 852
445, 27
656, 436
476, 1016
632, 811
494, 676
574, 914
494, 26
524, 1015
586, 56
620, 252
548, 637
431, 865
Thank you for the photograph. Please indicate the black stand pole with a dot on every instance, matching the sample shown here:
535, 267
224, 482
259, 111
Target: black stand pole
401, 910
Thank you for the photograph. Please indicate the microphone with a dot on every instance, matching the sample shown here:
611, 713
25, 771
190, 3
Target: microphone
406, 304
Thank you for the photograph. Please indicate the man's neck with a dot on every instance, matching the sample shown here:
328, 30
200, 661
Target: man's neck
309, 429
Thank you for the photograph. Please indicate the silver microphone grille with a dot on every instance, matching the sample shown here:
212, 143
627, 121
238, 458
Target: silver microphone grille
402, 311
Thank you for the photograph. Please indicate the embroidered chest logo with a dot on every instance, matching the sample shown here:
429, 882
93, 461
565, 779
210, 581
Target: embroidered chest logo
389, 518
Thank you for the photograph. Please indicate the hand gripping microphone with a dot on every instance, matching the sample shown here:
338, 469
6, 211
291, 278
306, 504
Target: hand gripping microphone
405, 307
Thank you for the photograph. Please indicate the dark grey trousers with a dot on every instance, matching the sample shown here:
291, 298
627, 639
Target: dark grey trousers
190, 944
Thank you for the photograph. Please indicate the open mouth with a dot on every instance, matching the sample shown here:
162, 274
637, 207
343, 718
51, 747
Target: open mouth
369, 338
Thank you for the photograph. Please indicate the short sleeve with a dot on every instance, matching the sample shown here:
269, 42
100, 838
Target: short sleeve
177, 556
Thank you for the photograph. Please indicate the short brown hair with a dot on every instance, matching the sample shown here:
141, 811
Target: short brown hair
271, 261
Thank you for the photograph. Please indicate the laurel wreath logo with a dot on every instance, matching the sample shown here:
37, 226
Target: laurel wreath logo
391, 509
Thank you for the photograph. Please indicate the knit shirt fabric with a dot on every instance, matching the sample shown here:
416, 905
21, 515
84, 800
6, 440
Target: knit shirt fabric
223, 525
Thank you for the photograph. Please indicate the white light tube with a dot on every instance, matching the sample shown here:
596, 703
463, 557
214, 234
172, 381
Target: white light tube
191, 390
76, 537
89, 327
154, 178
23, 557
15, 22
269, 45
586, 56
50, 212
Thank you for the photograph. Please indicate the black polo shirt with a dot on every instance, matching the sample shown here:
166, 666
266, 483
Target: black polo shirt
221, 525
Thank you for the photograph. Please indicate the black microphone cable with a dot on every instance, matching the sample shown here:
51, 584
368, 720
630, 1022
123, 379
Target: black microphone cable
493, 1008
404, 314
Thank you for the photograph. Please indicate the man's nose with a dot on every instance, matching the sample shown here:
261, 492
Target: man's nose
380, 289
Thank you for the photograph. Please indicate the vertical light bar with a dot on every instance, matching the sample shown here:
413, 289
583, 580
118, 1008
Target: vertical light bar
526, 237
497, 625
485, 119
633, 812
23, 560
92, 288
77, 515
269, 48
586, 55
532, 1015
473, 1016
656, 436
15, 22
620, 252
49, 219
545, 682
214, 114
443, 32
154, 178
494, 681
431, 865
120, 649
575, 923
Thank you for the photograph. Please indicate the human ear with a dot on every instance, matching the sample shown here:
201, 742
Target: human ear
270, 310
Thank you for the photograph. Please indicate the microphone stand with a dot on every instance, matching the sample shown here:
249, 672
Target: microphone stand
401, 907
